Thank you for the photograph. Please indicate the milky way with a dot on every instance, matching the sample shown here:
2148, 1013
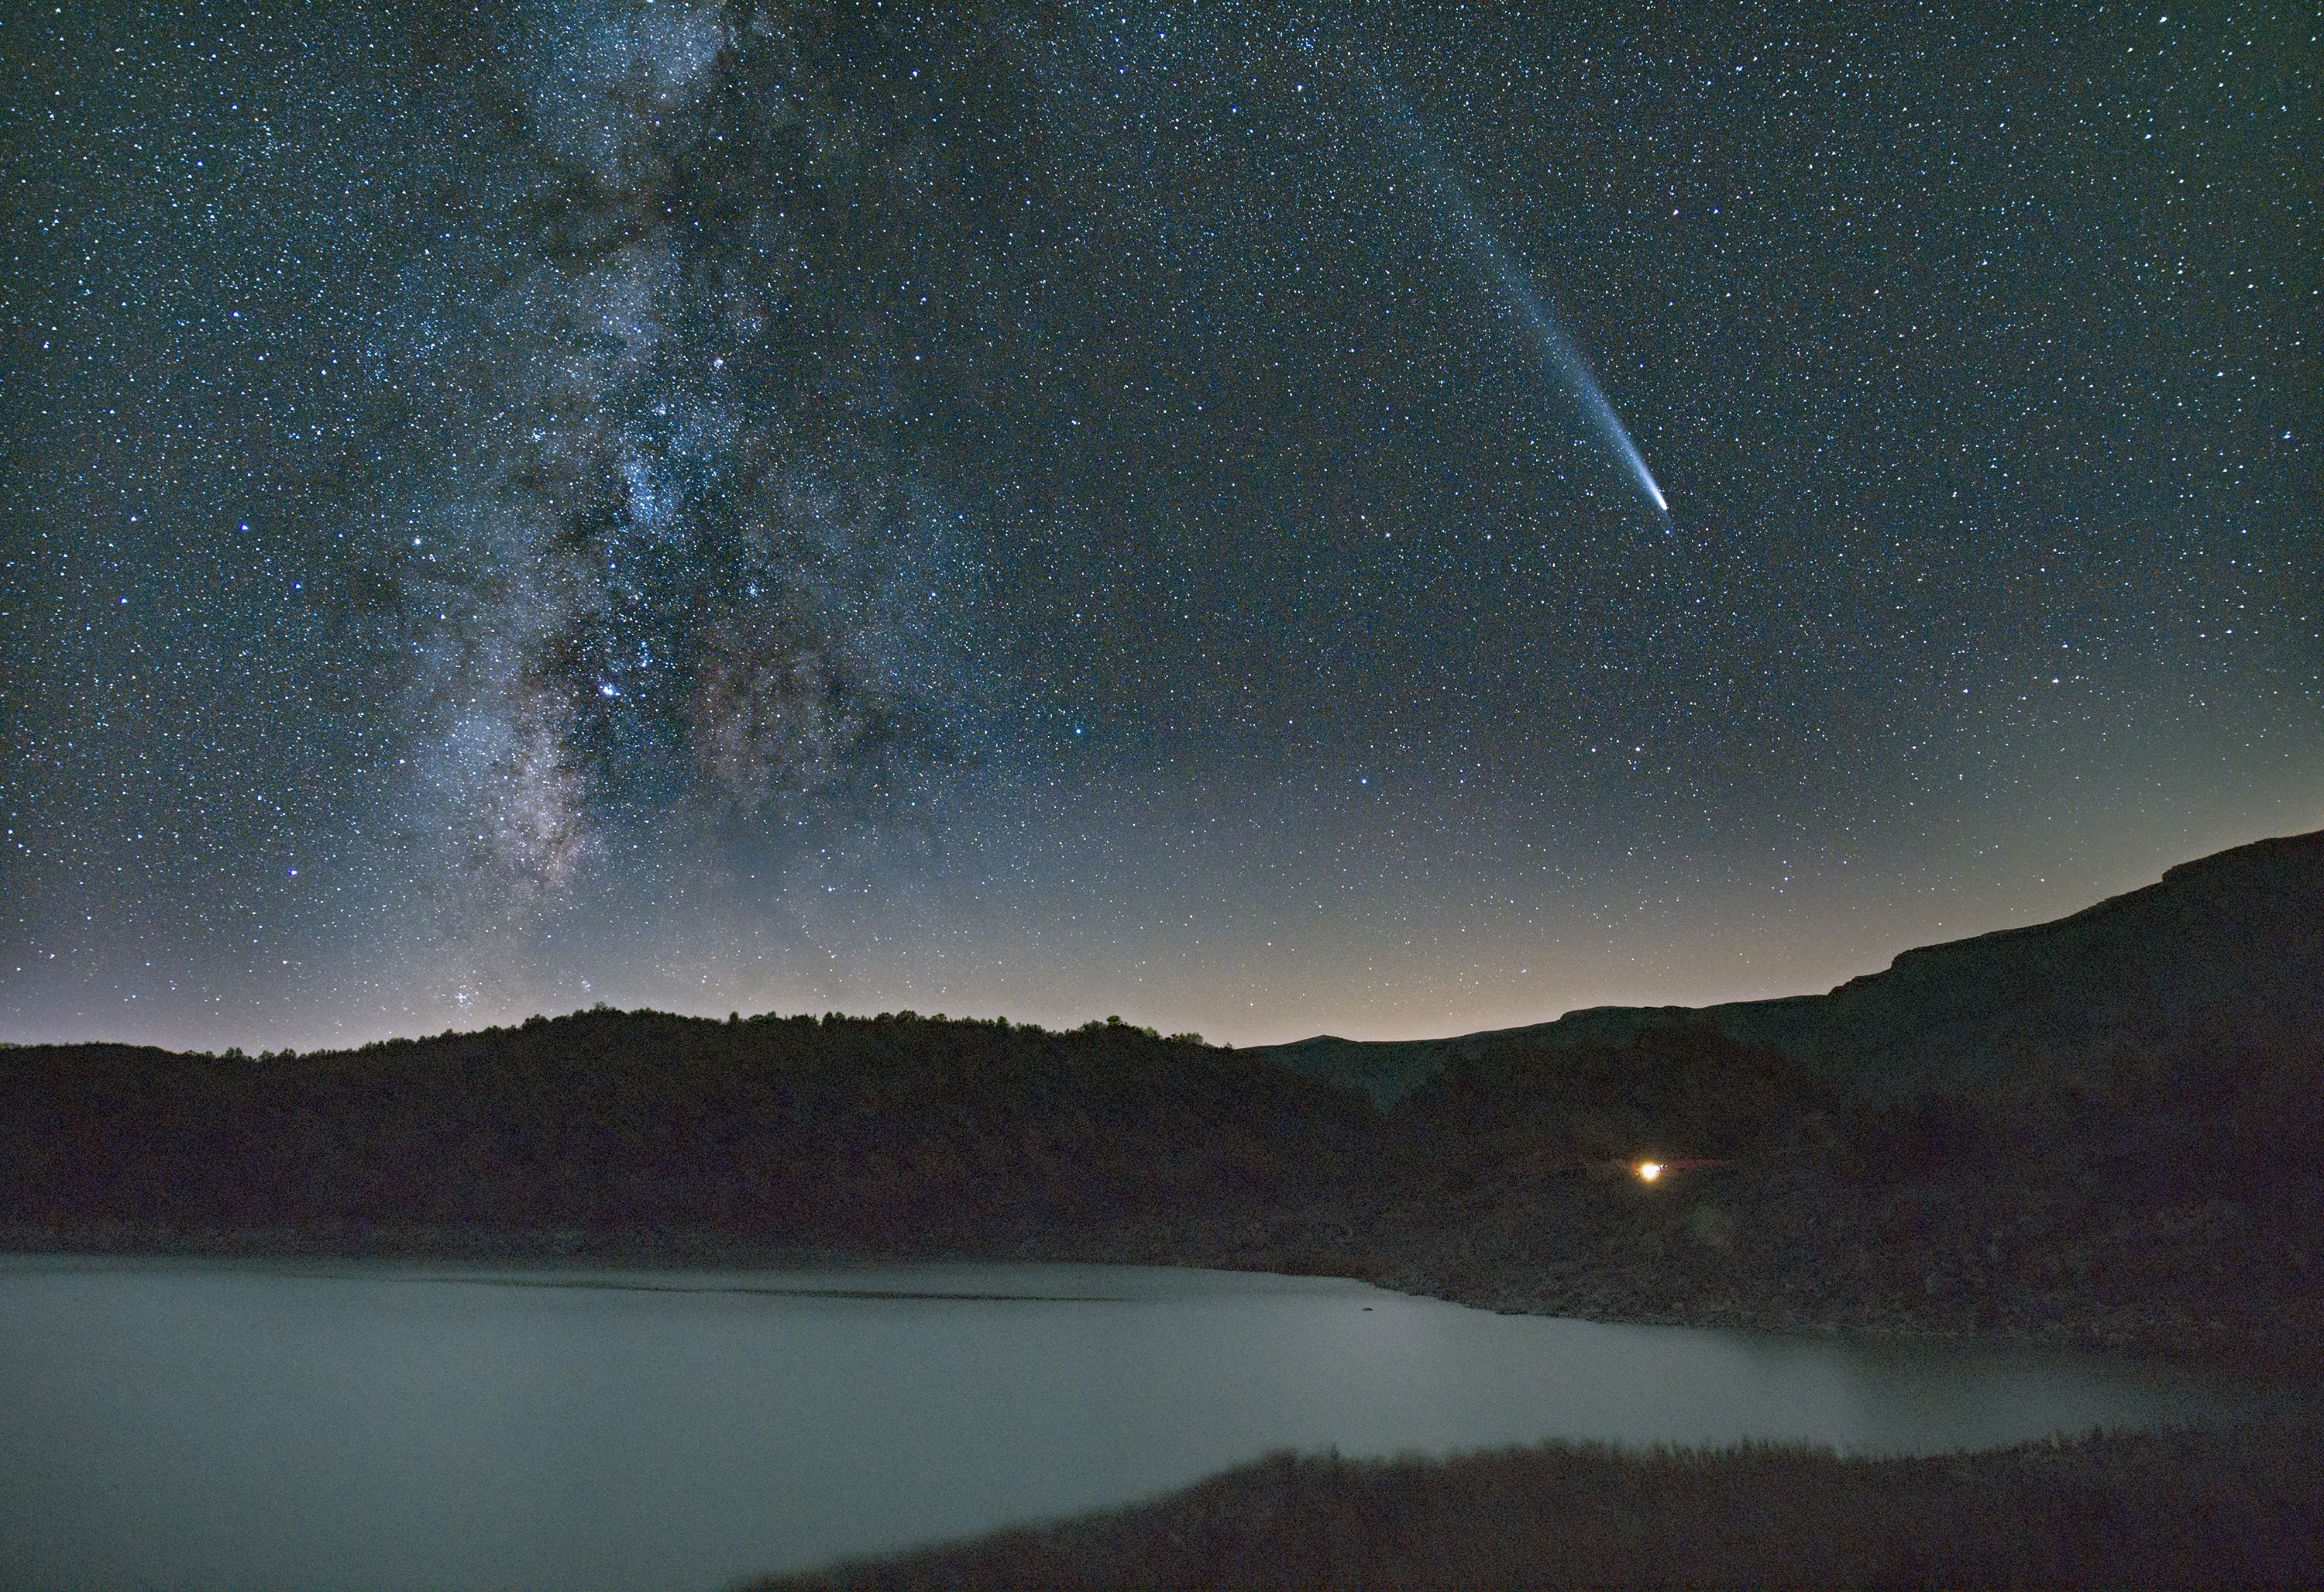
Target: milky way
672, 577
1058, 512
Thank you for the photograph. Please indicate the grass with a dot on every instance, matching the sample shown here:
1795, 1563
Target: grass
2241, 1507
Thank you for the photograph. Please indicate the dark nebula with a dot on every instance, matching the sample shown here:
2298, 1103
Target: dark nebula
1041, 509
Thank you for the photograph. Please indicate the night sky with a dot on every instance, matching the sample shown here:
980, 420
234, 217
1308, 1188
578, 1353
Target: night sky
1146, 510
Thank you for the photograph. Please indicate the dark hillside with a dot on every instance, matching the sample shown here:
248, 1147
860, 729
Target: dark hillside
888, 1135
2227, 951
2175, 1207
1679, 1092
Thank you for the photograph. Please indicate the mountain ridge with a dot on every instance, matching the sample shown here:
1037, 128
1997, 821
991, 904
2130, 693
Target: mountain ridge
2226, 948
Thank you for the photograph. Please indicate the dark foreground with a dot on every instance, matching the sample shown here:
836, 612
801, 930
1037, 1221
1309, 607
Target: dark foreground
2242, 1507
2171, 1206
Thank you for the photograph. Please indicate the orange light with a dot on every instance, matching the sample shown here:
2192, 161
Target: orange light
1650, 1170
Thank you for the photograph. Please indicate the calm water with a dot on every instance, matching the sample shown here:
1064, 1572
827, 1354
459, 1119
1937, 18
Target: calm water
213, 1425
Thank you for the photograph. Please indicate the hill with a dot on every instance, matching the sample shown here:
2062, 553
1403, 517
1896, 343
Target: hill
610, 1131
2224, 951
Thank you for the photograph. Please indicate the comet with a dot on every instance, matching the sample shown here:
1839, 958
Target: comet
1558, 351
1456, 215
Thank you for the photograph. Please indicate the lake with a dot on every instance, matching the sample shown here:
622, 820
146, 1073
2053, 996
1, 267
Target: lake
211, 1424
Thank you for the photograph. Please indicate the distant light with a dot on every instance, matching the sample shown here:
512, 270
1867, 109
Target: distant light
1650, 1170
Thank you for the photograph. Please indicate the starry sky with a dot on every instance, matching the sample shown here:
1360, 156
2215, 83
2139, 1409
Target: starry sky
1062, 510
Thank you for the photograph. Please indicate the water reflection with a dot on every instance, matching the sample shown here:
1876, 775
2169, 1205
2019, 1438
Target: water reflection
180, 1424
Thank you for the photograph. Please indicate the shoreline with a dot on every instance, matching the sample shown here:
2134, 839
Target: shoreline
2260, 1367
